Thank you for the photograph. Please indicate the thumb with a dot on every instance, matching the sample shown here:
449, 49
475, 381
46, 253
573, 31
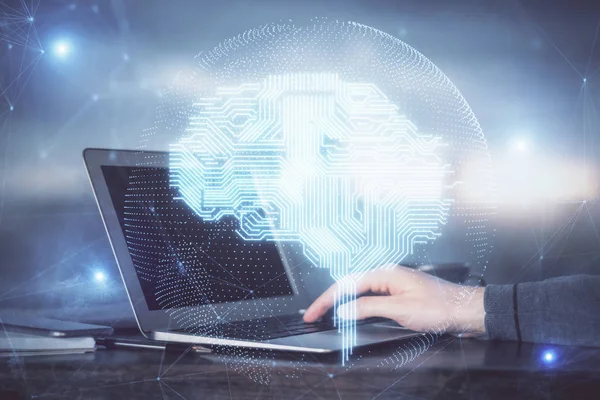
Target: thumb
367, 307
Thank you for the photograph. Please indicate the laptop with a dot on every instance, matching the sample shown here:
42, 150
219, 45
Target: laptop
195, 281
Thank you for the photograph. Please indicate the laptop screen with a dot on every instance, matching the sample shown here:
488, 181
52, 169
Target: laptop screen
180, 260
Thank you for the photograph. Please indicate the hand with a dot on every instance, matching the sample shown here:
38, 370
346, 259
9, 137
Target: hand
413, 299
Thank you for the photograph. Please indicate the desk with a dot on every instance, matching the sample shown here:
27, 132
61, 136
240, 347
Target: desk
452, 368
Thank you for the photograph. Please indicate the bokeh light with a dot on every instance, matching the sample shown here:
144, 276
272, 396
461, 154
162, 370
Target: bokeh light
100, 276
62, 48
548, 356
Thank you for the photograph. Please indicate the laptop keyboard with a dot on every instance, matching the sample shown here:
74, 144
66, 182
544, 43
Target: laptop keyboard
274, 327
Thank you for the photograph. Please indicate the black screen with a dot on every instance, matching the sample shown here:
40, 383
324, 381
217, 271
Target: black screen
179, 259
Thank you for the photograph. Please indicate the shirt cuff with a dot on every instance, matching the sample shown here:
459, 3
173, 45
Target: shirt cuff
498, 302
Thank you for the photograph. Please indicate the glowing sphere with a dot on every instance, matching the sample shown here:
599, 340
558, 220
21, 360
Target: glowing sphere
237, 96
330, 135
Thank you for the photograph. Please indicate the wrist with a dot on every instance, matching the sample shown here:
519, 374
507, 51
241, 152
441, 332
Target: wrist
471, 321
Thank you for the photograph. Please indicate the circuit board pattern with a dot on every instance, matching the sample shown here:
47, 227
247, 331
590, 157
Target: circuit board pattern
310, 158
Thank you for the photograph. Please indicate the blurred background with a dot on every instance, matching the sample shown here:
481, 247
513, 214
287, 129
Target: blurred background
76, 74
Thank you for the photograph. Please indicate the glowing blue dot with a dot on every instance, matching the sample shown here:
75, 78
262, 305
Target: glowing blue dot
548, 356
584, 80
30, 19
10, 46
12, 108
99, 276
95, 97
62, 48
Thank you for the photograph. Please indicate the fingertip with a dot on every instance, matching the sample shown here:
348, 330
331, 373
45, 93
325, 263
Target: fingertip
309, 316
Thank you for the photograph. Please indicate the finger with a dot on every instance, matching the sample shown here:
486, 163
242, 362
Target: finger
376, 281
367, 307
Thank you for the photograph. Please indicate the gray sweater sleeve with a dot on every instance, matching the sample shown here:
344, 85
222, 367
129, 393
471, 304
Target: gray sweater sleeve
562, 310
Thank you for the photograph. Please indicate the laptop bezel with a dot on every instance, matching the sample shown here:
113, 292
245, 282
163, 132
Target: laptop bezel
153, 320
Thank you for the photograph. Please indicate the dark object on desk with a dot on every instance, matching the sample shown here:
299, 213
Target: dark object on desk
22, 344
40, 326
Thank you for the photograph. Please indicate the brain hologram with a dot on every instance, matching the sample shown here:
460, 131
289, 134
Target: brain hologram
311, 158
340, 141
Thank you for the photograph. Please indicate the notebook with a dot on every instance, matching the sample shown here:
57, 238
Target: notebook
21, 344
